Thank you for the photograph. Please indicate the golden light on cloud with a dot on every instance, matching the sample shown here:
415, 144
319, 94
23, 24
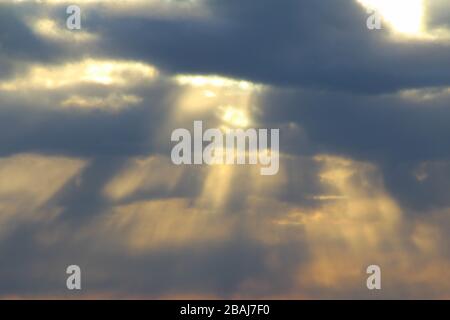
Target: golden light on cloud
235, 117
48, 28
349, 228
212, 197
354, 228
143, 175
113, 101
102, 72
347, 231
426, 95
160, 224
116, 72
213, 81
28, 181
231, 101
404, 16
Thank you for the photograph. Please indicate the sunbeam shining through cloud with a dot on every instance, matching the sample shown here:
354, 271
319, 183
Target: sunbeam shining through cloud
225, 149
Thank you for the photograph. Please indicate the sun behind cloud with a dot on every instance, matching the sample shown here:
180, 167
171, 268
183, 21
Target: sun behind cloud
404, 16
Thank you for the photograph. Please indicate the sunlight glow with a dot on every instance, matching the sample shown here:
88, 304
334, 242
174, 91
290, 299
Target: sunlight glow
235, 117
404, 16
49, 29
213, 81
114, 101
231, 101
103, 72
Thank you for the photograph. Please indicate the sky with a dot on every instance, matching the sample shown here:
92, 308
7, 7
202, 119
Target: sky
86, 176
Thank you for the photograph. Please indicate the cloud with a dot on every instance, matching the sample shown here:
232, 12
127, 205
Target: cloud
27, 183
85, 174
49, 29
87, 71
397, 132
294, 44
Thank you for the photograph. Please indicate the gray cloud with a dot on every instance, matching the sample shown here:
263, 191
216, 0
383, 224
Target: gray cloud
298, 43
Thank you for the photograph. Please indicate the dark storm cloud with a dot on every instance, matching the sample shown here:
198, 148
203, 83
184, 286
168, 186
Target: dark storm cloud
296, 43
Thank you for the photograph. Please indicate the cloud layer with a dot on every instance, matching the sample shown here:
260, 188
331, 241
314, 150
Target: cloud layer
86, 176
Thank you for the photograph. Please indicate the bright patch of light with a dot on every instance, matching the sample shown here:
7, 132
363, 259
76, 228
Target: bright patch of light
213, 81
48, 28
113, 101
235, 117
212, 93
104, 72
404, 16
